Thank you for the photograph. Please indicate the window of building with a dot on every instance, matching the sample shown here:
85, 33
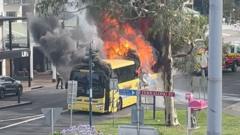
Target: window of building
11, 14
12, 1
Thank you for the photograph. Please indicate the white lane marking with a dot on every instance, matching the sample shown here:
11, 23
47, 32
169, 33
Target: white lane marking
18, 123
226, 34
26, 117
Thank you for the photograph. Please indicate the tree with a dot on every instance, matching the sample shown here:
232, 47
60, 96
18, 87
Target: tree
172, 27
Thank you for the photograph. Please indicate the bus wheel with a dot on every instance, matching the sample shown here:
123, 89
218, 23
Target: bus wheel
119, 105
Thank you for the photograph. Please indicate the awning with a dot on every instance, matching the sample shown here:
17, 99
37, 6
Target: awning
14, 54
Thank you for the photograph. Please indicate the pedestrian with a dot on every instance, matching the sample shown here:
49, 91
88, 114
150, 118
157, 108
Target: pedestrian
59, 80
204, 62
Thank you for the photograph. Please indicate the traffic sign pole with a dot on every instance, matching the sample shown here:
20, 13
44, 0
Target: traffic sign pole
52, 125
90, 86
113, 85
138, 113
71, 105
154, 107
51, 116
72, 93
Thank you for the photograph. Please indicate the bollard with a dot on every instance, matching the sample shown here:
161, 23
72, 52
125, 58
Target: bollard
19, 100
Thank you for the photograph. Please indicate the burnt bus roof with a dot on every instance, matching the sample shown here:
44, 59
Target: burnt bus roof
114, 64
118, 63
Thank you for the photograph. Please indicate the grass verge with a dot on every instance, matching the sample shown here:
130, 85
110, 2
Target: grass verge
230, 124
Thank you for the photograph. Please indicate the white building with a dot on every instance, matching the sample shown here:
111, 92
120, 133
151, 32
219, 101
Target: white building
17, 8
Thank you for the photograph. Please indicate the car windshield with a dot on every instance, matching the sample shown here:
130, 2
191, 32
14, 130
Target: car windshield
83, 83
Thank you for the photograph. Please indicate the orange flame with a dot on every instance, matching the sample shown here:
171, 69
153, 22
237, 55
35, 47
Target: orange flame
120, 38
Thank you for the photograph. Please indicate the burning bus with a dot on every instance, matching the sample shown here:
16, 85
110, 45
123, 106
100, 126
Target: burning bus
128, 55
123, 53
106, 99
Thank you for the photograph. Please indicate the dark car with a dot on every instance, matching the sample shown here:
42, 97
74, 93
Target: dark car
9, 85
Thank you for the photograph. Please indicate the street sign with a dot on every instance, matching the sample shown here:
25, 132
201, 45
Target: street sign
72, 91
51, 114
127, 92
156, 93
113, 84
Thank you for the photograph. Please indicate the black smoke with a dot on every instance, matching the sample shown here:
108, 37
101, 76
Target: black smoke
57, 44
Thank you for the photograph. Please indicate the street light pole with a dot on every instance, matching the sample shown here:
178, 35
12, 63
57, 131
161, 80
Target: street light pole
90, 85
215, 69
10, 46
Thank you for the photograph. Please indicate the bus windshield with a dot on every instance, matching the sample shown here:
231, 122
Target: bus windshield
82, 77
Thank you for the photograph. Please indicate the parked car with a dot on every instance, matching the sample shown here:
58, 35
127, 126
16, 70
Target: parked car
9, 85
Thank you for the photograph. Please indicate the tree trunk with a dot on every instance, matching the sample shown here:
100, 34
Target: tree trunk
167, 76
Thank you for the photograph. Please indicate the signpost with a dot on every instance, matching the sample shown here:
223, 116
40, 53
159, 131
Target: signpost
72, 95
51, 116
157, 93
138, 93
113, 85
146, 92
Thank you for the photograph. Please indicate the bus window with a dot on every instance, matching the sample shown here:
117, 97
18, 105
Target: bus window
232, 49
82, 77
125, 73
238, 49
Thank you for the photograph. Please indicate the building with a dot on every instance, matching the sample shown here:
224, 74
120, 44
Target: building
19, 65
18, 8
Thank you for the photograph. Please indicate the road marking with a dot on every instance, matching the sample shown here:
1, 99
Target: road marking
26, 117
40, 116
18, 123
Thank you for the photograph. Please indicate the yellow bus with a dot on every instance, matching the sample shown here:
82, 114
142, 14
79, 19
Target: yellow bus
104, 99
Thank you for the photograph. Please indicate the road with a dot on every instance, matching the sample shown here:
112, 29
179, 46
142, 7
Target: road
43, 98
50, 97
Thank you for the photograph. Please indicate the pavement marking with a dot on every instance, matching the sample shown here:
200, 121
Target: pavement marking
25, 117
18, 123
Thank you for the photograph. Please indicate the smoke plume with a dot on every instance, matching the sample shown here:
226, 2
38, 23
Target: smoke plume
59, 44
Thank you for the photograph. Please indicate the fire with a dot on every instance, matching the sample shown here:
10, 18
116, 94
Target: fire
120, 38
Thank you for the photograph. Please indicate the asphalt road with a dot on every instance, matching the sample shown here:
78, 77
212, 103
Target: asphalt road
50, 97
231, 88
44, 98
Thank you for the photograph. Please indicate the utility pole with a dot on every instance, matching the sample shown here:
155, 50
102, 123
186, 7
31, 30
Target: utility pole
10, 46
215, 69
30, 67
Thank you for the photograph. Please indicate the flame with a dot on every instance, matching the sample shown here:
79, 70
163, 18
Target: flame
120, 38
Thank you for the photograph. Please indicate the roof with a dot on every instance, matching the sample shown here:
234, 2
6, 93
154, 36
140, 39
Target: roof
118, 63
6, 18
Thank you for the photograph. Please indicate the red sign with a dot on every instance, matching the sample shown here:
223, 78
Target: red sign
157, 93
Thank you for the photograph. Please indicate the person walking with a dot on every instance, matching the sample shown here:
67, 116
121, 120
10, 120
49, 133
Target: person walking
59, 80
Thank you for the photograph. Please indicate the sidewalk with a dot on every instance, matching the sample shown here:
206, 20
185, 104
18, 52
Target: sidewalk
7, 104
39, 81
